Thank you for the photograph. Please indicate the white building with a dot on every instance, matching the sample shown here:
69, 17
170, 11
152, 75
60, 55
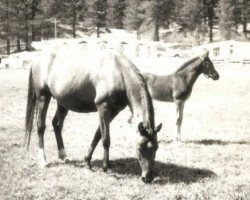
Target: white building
233, 52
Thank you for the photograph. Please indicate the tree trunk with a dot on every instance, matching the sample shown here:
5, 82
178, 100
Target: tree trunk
33, 33
74, 20
26, 27
245, 27
156, 32
18, 43
157, 22
8, 46
138, 34
210, 25
98, 31
210, 15
244, 10
210, 22
7, 29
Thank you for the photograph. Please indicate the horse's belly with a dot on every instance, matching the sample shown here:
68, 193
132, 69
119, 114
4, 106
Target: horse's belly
167, 98
77, 105
162, 95
76, 98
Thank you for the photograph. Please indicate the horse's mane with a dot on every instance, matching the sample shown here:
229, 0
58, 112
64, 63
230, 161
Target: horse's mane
187, 63
146, 100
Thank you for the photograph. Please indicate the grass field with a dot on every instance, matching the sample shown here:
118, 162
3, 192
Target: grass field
213, 162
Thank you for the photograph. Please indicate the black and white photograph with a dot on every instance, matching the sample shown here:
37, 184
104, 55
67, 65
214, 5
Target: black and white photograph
125, 99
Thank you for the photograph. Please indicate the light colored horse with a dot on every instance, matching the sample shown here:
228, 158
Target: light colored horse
102, 81
177, 87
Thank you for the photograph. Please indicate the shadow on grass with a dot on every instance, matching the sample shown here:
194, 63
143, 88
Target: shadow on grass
75, 163
216, 142
165, 173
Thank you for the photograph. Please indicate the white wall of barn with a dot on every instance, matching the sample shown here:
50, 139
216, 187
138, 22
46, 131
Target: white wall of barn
228, 50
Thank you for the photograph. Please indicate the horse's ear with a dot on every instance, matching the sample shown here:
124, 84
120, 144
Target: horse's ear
206, 53
141, 128
202, 57
158, 128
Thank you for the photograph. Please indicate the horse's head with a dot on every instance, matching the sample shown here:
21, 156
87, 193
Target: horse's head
146, 149
208, 67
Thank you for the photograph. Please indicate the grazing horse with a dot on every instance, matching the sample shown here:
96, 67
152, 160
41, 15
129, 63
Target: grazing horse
177, 87
102, 81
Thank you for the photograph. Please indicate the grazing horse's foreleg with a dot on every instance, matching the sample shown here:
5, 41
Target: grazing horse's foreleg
92, 147
57, 123
42, 107
179, 117
97, 138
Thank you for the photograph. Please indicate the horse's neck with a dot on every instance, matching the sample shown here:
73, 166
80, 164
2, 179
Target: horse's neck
138, 95
140, 102
191, 72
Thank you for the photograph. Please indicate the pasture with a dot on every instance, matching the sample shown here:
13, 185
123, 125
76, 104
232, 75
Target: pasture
213, 162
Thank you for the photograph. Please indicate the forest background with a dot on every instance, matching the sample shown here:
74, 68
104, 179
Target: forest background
24, 21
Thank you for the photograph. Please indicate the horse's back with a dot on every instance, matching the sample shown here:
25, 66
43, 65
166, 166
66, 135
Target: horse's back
84, 77
160, 87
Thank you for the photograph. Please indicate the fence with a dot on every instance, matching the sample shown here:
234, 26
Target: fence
143, 53
244, 62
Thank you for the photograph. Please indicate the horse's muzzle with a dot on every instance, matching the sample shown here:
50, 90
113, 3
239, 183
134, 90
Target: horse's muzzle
216, 77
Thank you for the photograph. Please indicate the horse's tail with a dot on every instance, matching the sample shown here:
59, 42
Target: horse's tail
30, 111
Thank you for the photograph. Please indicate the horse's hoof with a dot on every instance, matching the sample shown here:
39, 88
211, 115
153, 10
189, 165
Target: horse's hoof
87, 161
106, 169
62, 157
106, 166
89, 166
62, 154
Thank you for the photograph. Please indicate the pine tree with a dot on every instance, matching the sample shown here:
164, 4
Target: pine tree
158, 13
116, 13
226, 20
5, 19
245, 15
68, 11
24, 7
189, 14
134, 16
97, 14
35, 22
209, 14
15, 22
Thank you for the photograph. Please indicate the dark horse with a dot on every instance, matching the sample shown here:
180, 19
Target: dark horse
177, 87
88, 82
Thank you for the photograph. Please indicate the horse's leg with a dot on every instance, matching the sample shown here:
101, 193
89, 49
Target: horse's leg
57, 123
179, 117
97, 138
92, 147
42, 107
105, 118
